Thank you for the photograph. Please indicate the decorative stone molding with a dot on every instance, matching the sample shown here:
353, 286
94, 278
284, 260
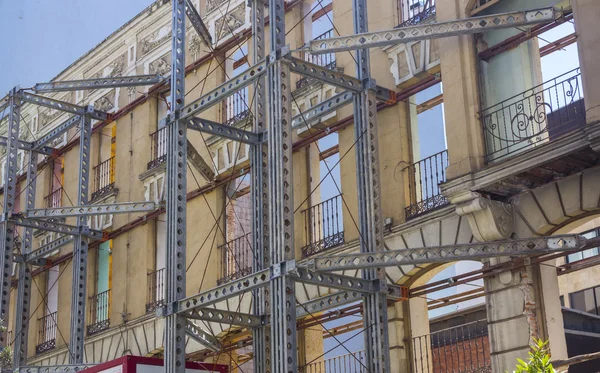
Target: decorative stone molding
489, 220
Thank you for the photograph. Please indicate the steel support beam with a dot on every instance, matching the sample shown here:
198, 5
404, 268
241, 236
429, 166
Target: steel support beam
222, 130
24, 283
80, 250
73, 368
335, 281
432, 30
24, 145
7, 227
261, 336
339, 79
46, 225
200, 336
57, 131
368, 189
223, 91
197, 23
176, 185
98, 83
226, 317
449, 253
63, 106
88, 210
309, 117
206, 170
48, 248
226, 291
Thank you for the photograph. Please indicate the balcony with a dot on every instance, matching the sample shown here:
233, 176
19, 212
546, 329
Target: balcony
323, 227
326, 60
236, 259
348, 363
54, 199
104, 178
413, 12
158, 148
99, 313
534, 117
461, 349
236, 107
424, 178
46, 333
156, 290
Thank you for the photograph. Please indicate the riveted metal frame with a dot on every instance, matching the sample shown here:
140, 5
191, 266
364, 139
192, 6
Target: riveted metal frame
223, 130
48, 248
71, 368
225, 317
58, 131
63, 106
98, 83
88, 210
52, 226
197, 22
318, 111
24, 145
200, 336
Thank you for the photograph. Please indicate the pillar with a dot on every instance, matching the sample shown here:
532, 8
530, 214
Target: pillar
408, 320
310, 346
587, 13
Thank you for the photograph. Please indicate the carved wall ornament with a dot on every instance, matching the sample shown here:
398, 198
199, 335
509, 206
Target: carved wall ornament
195, 44
106, 103
155, 39
233, 20
213, 4
161, 66
489, 220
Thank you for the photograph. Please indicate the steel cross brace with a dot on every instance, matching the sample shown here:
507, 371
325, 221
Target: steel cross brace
51, 226
202, 337
432, 30
339, 79
197, 22
226, 317
72, 368
87, 210
316, 112
332, 280
96, 83
221, 92
57, 131
328, 301
443, 254
228, 132
63, 106
199, 163
48, 248
25, 145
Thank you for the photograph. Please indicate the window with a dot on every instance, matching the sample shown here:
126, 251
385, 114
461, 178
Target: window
34, 124
586, 300
586, 253
131, 55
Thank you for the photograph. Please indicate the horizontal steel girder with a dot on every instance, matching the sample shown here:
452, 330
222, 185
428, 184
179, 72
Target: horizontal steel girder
58, 131
56, 227
338, 79
226, 291
225, 317
114, 208
228, 132
202, 337
432, 30
310, 116
197, 23
54, 368
450, 253
97, 83
63, 106
48, 248
24, 145
224, 90
327, 302
336, 281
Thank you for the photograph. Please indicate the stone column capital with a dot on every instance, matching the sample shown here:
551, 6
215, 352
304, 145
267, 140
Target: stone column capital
489, 220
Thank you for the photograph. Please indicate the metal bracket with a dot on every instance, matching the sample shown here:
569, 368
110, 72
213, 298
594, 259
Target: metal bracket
202, 337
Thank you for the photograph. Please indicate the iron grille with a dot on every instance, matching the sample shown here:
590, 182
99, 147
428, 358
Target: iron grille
327, 60
46, 333
99, 312
534, 117
104, 178
156, 290
236, 259
424, 178
236, 107
348, 363
323, 227
158, 148
54, 199
413, 12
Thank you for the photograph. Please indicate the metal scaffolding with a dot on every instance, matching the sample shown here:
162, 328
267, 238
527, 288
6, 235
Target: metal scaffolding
275, 270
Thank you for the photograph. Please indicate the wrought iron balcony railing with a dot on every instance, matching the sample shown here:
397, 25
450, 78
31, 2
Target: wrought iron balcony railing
158, 148
461, 349
104, 178
236, 259
413, 12
424, 178
156, 290
323, 227
46, 333
534, 117
54, 199
236, 107
99, 312
348, 363
326, 60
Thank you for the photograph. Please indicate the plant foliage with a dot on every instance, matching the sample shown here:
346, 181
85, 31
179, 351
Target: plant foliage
539, 360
